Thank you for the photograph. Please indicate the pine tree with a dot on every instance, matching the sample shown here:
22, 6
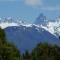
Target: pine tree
7, 50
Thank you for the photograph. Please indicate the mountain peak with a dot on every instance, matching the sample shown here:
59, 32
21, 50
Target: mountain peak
52, 26
41, 19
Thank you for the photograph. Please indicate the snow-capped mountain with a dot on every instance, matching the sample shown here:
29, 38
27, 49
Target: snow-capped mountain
4, 23
27, 36
53, 27
41, 19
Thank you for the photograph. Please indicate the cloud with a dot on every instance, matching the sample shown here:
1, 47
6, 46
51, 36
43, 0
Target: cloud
42, 5
38, 3
51, 8
33, 2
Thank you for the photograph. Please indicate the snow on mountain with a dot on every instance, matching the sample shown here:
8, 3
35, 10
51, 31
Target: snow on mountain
6, 24
53, 27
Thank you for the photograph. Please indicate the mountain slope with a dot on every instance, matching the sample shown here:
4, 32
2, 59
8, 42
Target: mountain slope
28, 37
53, 27
41, 19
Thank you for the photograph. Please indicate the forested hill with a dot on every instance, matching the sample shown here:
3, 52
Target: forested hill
7, 51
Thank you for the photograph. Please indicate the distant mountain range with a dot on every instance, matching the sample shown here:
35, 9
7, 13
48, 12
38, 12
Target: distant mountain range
53, 26
27, 36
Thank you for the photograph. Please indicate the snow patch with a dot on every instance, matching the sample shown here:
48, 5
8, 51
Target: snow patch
5, 25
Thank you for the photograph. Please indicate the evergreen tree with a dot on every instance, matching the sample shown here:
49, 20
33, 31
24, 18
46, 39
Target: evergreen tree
26, 55
7, 50
44, 51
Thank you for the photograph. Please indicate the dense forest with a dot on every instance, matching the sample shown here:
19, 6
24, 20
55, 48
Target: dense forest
43, 51
7, 50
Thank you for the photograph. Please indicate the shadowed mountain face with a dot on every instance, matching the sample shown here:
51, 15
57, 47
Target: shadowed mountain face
28, 37
41, 19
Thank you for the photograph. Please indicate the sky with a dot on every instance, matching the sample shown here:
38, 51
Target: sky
30, 9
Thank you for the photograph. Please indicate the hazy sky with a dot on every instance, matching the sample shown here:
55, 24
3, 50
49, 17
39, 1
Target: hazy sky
30, 9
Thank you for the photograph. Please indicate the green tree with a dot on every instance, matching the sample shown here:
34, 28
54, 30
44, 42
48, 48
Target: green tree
26, 55
44, 51
7, 50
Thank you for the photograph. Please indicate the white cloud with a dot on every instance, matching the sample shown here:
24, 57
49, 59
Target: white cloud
51, 8
33, 2
40, 3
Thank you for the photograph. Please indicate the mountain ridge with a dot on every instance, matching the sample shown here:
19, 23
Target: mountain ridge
28, 37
